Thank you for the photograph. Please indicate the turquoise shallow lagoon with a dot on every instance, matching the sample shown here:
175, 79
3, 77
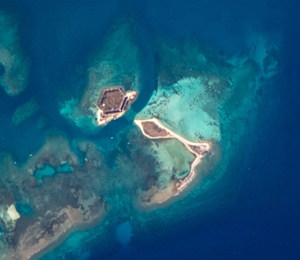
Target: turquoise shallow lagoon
246, 206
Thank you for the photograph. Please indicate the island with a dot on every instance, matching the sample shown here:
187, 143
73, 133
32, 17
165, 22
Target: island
112, 77
113, 103
153, 129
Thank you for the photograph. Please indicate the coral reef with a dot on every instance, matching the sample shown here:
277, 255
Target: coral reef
116, 63
63, 202
195, 116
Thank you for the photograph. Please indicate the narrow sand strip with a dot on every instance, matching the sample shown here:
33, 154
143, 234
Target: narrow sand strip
198, 149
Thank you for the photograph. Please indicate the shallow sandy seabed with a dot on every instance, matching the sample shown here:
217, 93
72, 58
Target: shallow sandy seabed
14, 60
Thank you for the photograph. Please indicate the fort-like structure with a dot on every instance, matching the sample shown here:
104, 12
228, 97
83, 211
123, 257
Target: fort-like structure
113, 103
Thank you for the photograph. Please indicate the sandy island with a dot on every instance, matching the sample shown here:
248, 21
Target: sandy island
153, 129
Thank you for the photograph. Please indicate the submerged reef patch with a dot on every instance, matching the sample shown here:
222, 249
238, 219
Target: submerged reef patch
25, 111
15, 64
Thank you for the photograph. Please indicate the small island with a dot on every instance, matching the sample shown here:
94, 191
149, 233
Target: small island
153, 129
113, 103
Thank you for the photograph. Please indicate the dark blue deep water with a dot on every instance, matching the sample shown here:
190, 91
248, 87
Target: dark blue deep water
263, 222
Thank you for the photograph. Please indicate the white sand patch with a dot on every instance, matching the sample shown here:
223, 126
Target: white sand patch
9, 215
13, 213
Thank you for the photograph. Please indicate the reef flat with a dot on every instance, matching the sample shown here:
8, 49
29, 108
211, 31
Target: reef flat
61, 203
14, 63
203, 96
117, 63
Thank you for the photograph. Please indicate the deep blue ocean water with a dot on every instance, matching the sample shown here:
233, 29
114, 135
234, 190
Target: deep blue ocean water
263, 222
